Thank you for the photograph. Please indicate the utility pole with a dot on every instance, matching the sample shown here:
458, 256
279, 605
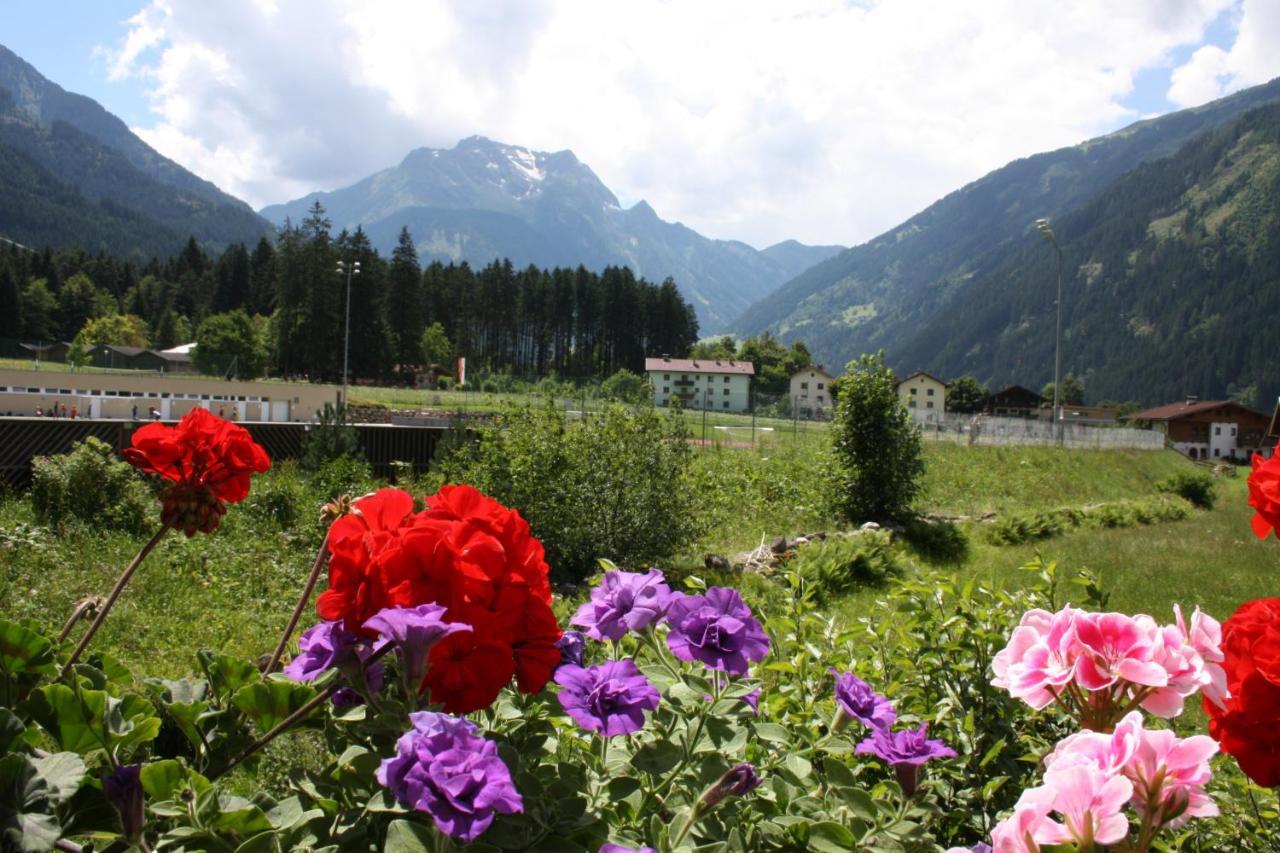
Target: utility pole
349, 270
1047, 233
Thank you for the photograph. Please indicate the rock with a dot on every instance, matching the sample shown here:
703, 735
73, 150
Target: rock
870, 525
779, 545
716, 563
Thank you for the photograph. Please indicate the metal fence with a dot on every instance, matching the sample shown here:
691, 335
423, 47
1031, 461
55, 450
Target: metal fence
992, 431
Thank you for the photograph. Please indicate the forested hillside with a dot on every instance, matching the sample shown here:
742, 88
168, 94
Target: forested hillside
280, 307
74, 175
1172, 283
907, 284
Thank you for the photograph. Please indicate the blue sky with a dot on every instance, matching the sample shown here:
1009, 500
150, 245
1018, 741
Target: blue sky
758, 120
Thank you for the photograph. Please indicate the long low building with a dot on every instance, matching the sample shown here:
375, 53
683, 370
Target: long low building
1211, 429
126, 395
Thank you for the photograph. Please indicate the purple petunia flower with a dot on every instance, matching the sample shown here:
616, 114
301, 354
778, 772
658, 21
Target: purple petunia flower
573, 648
738, 782
980, 847
609, 698
123, 789
753, 699
907, 750
717, 629
610, 847
624, 601
327, 645
857, 701
414, 630
444, 769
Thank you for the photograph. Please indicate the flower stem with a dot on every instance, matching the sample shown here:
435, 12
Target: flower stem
322, 557
289, 721
121, 583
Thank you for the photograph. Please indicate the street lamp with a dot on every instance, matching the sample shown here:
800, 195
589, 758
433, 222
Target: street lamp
348, 270
1042, 225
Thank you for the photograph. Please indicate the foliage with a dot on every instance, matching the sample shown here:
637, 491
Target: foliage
614, 485
626, 387
231, 344
279, 498
966, 395
1016, 528
434, 345
128, 330
1195, 486
878, 462
89, 485
833, 566
329, 439
1072, 391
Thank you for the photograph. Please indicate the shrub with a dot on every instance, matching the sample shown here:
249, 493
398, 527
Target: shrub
878, 461
1195, 486
836, 565
278, 497
1017, 528
626, 387
330, 439
342, 476
936, 541
91, 485
615, 485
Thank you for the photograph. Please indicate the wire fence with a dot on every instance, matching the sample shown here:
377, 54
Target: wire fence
1003, 432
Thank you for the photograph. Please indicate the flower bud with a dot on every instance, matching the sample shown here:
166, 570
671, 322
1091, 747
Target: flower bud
123, 789
738, 782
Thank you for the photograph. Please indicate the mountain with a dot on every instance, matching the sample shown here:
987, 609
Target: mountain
105, 177
903, 290
483, 199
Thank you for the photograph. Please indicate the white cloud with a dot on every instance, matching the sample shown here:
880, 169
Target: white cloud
815, 119
1253, 58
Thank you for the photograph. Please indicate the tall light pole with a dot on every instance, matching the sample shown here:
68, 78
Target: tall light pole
349, 270
1047, 233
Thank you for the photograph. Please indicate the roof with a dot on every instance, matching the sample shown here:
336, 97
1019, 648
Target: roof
813, 368
689, 365
170, 355
1016, 389
180, 349
1173, 411
123, 350
922, 373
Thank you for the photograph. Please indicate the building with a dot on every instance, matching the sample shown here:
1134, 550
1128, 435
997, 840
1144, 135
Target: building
1089, 415
1210, 429
924, 396
811, 392
1015, 402
116, 395
722, 385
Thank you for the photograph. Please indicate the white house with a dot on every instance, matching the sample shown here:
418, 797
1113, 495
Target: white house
722, 385
924, 396
811, 392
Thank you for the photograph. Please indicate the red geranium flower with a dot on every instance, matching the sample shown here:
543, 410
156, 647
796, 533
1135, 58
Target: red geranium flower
1264, 493
468, 553
209, 461
1249, 726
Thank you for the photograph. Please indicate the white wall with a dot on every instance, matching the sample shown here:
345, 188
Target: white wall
722, 392
924, 397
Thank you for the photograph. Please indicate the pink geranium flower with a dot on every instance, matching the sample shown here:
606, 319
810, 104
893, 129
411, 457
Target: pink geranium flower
1091, 804
1040, 657
1169, 774
1114, 647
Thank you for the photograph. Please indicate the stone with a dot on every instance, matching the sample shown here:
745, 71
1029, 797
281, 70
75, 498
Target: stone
779, 545
716, 563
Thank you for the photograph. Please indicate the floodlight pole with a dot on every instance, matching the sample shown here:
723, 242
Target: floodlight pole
350, 270
1047, 233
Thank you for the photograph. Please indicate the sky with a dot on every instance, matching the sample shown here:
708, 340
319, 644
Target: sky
827, 121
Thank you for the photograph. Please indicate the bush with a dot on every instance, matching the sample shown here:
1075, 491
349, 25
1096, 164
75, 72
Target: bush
329, 439
878, 461
91, 485
615, 485
342, 476
837, 565
1017, 528
1195, 486
278, 497
936, 541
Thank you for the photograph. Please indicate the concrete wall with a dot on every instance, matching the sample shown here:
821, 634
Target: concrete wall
114, 395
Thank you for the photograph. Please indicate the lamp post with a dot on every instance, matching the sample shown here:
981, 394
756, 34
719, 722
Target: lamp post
1047, 233
349, 270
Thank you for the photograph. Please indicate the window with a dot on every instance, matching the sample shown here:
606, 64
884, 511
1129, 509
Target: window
726, 380
929, 405
913, 391
1233, 431
821, 386
911, 403
804, 386
726, 402
929, 392
666, 389
1217, 451
819, 398
1217, 430
666, 376
726, 392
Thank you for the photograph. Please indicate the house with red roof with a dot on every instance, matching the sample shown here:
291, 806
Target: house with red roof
1210, 429
721, 385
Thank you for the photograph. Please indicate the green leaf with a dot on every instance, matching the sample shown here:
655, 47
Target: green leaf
830, 837
62, 772
245, 819
26, 820
406, 837
23, 651
268, 703
165, 780
131, 722
861, 804
227, 674
11, 729
75, 722
773, 733
657, 757
799, 765
263, 842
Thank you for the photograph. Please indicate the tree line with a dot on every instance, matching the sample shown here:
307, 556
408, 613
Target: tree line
280, 307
